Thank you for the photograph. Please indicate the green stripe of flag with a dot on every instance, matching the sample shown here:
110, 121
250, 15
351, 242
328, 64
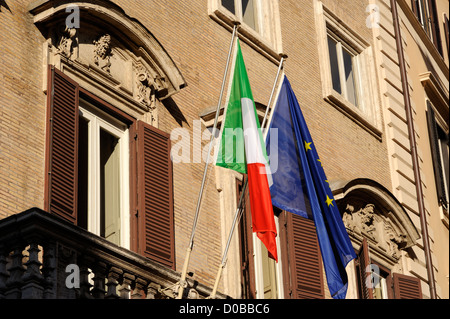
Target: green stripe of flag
231, 153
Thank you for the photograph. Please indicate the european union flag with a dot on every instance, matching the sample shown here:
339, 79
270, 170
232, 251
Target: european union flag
300, 186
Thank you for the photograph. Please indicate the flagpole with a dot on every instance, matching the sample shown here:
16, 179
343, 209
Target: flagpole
238, 213
183, 283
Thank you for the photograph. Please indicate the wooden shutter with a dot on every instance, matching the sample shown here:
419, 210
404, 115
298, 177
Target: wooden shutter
414, 8
62, 146
407, 287
435, 152
304, 259
155, 196
363, 262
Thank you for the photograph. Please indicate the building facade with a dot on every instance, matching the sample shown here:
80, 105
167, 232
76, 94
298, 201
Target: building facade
106, 112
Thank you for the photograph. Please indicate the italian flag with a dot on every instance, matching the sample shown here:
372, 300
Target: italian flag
242, 149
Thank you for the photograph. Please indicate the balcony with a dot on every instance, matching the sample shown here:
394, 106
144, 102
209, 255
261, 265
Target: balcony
45, 257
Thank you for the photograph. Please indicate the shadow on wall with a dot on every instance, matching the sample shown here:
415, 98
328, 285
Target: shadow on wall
5, 5
175, 111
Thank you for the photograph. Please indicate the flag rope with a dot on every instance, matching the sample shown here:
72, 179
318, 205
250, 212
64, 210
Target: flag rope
239, 210
183, 283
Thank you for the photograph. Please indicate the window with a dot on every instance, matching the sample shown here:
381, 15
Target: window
380, 282
108, 172
347, 70
376, 281
343, 69
259, 22
260, 275
244, 10
420, 8
103, 174
426, 13
439, 144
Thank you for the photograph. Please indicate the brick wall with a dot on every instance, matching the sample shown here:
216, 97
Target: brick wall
22, 111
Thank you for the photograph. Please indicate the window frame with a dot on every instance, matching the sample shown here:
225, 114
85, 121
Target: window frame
439, 164
99, 120
367, 259
148, 146
267, 38
386, 282
340, 47
367, 114
426, 13
238, 12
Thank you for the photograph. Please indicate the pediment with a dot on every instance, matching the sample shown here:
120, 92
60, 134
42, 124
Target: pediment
107, 49
370, 211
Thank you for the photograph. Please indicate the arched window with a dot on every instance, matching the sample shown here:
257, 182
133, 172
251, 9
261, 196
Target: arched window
108, 166
383, 236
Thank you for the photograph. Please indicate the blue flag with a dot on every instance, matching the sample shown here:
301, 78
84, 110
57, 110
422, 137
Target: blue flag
300, 186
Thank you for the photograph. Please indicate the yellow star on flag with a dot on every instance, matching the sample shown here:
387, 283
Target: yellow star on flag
329, 201
308, 146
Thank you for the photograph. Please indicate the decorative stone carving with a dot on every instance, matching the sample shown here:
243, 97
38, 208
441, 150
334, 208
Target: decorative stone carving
373, 225
103, 53
147, 86
367, 214
145, 90
394, 241
68, 43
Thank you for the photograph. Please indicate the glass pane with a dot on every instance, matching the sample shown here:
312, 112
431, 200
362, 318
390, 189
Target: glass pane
349, 77
423, 15
334, 65
248, 13
380, 289
444, 154
83, 160
110, 187
229, 5
269, 275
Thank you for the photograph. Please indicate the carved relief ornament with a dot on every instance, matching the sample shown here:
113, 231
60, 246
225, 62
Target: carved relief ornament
103, 53
68, 43
367, 222
147, 87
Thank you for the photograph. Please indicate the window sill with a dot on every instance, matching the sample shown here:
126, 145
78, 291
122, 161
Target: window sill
352, 112
247, 34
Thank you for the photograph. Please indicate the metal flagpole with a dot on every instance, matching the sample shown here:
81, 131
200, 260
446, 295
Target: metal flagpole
239, 210
183, 283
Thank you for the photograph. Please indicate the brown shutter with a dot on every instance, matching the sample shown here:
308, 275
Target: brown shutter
155, 196
415, 9
304, 258
364, 277
407, 287
435, 152
62, 146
